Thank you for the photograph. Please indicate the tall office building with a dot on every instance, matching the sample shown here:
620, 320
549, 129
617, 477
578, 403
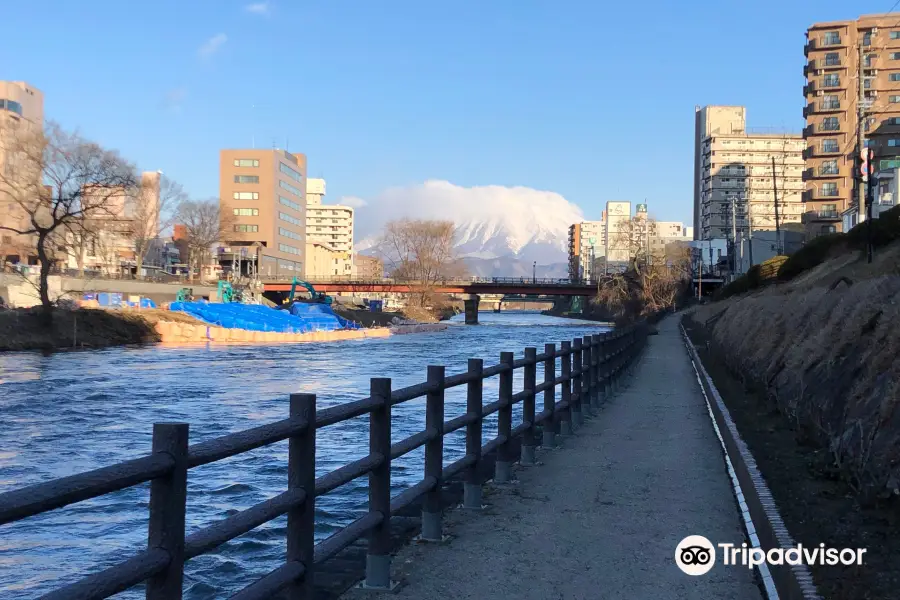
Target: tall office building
329, 235
22, 111
738, 174
833, 77
587, 247
262, 196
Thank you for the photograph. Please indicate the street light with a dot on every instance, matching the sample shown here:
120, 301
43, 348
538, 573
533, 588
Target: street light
534, 273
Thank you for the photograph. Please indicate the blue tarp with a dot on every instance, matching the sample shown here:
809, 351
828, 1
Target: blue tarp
262, 318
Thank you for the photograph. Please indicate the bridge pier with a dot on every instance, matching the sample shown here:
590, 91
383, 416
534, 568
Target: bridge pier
471, 304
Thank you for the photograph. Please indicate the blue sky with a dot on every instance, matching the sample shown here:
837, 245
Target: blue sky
593, 100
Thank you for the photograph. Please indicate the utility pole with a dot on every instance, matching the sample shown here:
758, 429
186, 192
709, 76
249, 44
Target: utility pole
734, 268
861, 132
777, 226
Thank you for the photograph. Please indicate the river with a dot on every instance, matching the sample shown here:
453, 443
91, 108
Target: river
71, 412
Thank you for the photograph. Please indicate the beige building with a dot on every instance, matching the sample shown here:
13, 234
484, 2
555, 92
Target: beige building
618, 235
21, 108
735, 179
262, 196
368, 268
587, 247
329, 234
833, 75
129, 221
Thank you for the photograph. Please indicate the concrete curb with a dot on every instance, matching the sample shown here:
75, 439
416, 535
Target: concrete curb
762, 521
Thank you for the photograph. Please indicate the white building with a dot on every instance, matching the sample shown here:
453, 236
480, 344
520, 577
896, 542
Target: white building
618, 235
587, 249
329, 235
735, 179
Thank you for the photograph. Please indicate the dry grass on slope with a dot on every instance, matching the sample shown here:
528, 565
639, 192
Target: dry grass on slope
828, 359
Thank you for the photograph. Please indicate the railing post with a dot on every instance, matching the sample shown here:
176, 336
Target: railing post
586, 377
565, 418
503, 464
528, 438
577, 415
167, 509
378, 559
474, 408
434, 455
605, 367
301, 520
549, 428
596, 357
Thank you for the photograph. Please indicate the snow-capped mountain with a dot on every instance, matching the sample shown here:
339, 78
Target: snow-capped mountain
500, 231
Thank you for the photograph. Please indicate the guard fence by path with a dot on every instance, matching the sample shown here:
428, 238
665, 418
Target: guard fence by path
590, 370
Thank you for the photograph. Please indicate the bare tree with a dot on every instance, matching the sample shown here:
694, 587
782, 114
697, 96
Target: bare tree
51, 179
83, 236
655, 276
151, 209
422, 252
204, 225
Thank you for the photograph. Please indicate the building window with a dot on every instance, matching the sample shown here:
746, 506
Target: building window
832, 59
894, 99
288, 203
289, 219
830, 102
895, 55
246, 228
290, 234
867, 83
11, 106
831, 80
288, 249
286, 186
830, 145
892, 121
246, 178
246, 212
246, 195
895, 35
832, 38
829, 167
829, 189
826, 229
895, 77
867, 38
246, 162
830, 124
289, 172
894, 143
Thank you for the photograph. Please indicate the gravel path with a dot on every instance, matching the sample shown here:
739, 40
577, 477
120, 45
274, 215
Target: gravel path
602, 515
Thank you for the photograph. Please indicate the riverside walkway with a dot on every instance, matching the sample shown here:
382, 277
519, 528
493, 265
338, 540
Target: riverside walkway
602, 517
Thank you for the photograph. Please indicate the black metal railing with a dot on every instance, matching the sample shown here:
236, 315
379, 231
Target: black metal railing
590, 369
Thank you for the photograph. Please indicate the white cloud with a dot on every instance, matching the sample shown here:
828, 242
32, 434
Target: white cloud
353, 202
258, 8
212, 45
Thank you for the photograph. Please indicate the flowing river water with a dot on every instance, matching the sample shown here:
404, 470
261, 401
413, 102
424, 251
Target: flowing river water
71, 412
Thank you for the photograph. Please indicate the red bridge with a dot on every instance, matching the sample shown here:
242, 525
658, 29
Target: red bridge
471, 288
497, 285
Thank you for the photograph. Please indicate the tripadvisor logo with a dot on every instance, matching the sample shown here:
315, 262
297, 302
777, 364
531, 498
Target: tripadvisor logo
696, 555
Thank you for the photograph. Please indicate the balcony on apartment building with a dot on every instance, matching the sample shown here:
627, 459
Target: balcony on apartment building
825, 171
821, 107
824, 192
828, 126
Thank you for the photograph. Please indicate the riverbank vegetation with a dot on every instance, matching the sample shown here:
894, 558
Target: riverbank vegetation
805, 355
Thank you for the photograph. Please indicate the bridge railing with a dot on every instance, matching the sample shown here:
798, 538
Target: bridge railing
529, 281
590, 369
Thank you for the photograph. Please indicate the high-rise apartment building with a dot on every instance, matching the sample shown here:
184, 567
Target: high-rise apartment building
21, 113
833, 77
587, 247
739, 174
262, 196
329, 235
